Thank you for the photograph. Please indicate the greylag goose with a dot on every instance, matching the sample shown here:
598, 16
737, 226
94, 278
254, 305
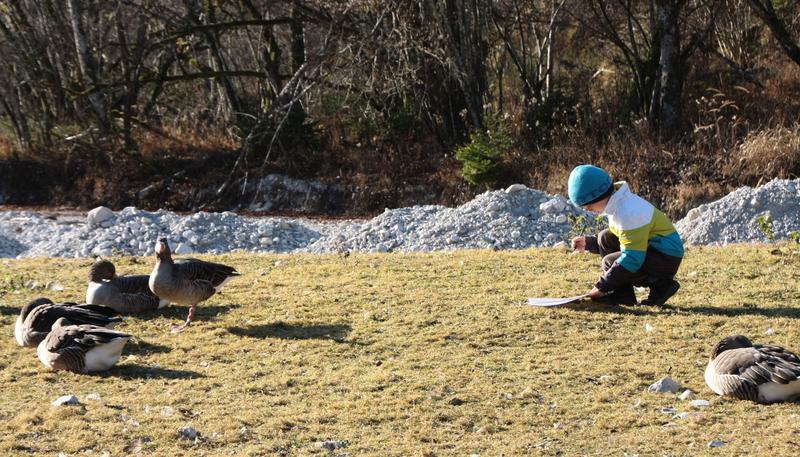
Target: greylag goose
125, 294
761, 373
187, 281
81, 348
37, 317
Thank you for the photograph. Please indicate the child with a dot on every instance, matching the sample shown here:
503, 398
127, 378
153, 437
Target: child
640, 247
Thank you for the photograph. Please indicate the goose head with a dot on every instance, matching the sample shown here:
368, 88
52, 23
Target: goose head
731, 342
60, 322
162, 250
33, 304
19, 325
102, 270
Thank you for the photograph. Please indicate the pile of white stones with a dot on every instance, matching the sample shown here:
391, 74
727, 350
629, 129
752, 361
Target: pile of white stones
735, 217
515, 218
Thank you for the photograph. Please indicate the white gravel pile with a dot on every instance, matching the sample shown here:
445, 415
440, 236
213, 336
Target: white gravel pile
513, 219
734, 218
134, 232
518, 217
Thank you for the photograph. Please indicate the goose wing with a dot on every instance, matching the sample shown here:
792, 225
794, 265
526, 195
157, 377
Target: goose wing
137, 302
760, 365
133, 284
83, 337
215, 273
779, 352
95, 309
41, 319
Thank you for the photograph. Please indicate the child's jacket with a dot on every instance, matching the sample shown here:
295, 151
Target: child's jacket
638, 225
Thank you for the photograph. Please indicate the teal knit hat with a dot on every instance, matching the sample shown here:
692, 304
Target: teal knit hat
587, 184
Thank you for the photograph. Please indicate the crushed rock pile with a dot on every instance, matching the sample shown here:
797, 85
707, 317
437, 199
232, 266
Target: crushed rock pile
516, 218
735, 217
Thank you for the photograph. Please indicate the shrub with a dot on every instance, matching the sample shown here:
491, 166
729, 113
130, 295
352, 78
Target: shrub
481, 157
765, 225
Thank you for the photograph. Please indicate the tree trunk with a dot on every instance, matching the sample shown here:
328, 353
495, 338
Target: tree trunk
86, 63
465, 22
667, 93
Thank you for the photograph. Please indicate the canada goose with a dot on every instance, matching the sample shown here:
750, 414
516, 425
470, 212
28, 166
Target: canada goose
125, 294
187, 281
37, 317
758, 372
81, 348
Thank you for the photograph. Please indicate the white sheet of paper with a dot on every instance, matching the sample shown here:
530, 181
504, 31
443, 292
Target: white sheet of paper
554, 301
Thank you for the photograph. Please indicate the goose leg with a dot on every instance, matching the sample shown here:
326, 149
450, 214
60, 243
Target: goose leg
189, 319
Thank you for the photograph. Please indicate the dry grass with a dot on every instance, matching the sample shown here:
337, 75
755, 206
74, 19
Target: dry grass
372, 349
766, 154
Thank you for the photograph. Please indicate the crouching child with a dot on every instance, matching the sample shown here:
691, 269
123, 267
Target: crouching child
640, 247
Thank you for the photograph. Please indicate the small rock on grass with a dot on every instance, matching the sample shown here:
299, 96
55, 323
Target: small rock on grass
686, 395
189, 433
717, 443
664, 385
685, 415
66, 400
332, 445
700, 403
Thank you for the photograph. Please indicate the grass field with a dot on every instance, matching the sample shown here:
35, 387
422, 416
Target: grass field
409, 354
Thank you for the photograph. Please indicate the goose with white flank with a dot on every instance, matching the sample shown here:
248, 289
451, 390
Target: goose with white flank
762, 373
126, 294
186, 281
81, 348
38, 316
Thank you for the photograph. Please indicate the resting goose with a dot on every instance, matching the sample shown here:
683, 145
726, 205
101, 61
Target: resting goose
758, 372
187, 281
125, 294
81, 348
37, 317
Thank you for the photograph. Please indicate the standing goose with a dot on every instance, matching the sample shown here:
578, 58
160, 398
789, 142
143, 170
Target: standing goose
761, 373
81, 348
187, 281
125, 294
37, 317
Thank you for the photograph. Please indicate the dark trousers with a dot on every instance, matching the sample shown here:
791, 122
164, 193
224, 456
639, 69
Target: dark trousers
656, 266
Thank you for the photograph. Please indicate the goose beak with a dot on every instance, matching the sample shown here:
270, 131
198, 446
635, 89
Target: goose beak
161, 247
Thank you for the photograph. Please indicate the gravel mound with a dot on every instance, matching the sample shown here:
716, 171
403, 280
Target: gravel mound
515, 218
134, 232
518, 217
734, 218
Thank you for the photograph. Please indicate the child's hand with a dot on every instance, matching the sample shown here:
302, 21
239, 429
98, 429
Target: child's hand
579, 243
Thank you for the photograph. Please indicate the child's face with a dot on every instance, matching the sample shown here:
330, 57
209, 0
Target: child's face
596, 207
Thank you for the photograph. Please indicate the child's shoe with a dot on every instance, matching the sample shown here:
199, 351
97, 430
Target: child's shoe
623, 295
661, 291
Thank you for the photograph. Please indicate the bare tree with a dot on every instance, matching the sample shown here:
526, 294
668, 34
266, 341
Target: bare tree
765, 9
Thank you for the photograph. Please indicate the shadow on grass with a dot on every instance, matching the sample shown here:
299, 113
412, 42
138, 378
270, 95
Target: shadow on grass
140, 347
134, 371
336, 332
180, 312
617, 309
9, 310
793, 313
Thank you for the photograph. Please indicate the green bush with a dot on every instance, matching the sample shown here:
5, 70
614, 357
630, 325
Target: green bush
482, 156
765, 226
